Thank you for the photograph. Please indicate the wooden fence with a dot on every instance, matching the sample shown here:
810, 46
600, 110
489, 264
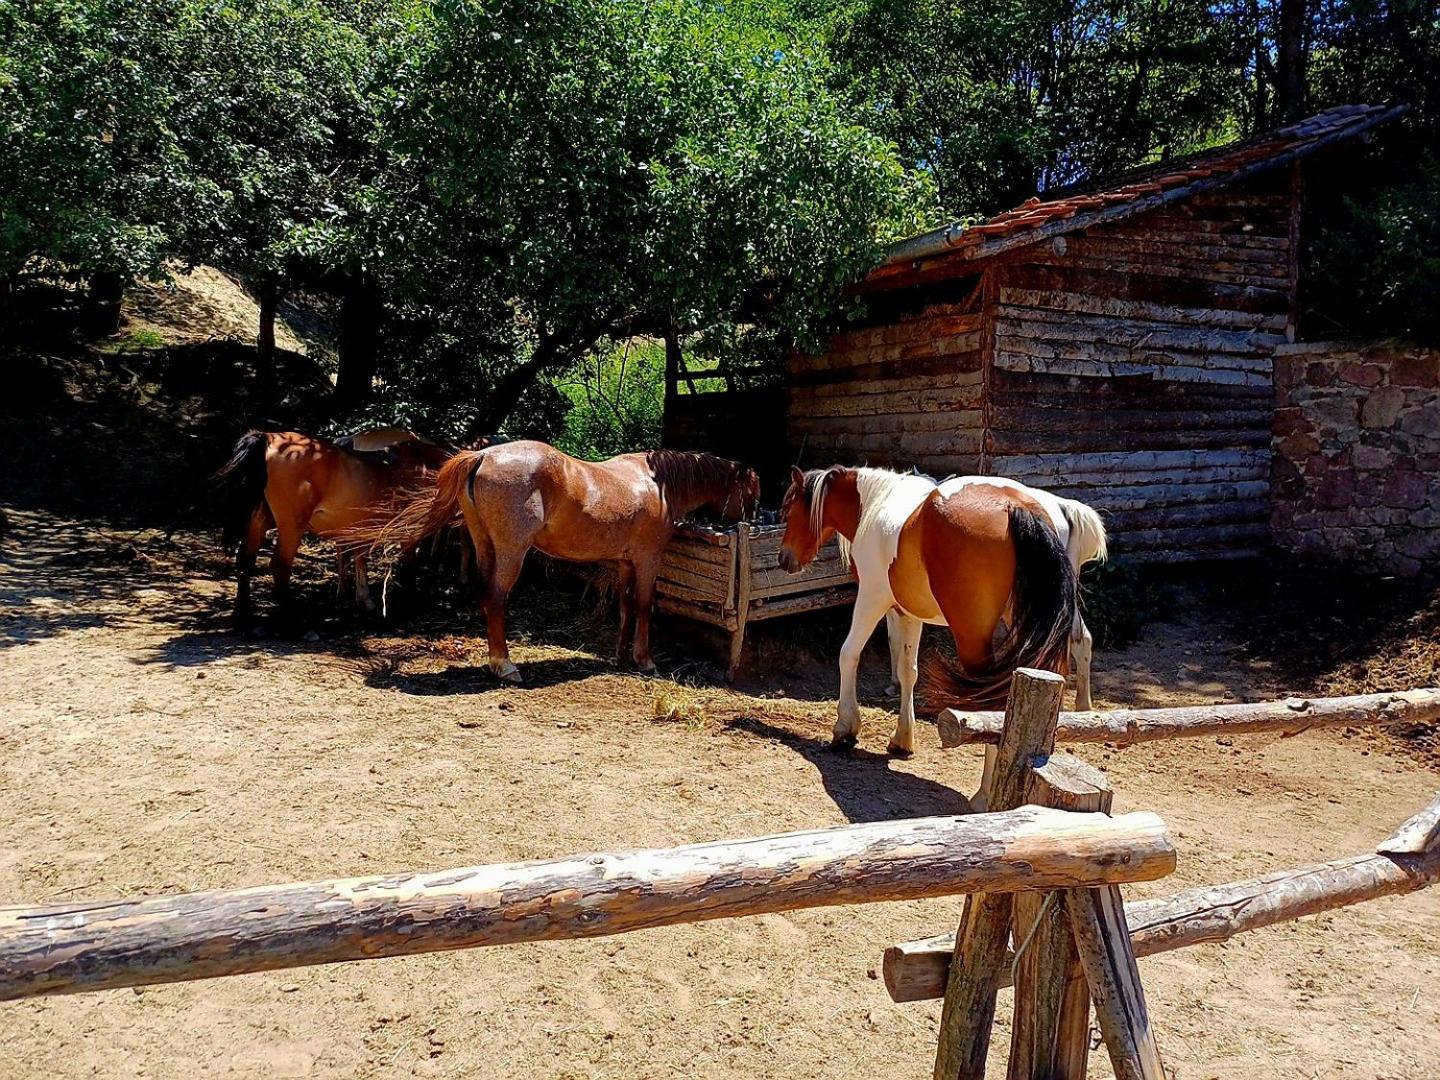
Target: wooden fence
1040, 870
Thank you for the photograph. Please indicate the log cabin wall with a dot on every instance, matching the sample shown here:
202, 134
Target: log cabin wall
1132, 369
900, 389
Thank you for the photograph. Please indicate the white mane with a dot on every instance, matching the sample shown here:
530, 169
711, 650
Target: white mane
874, 488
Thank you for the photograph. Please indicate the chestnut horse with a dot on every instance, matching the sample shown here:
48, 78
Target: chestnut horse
520, 495
954, 554
298, 484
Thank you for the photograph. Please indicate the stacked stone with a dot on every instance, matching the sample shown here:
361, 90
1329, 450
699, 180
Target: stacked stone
1356, 466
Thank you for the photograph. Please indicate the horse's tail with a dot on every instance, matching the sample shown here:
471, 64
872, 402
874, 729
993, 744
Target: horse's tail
1088, 542
423, 512
1042, 610
241, 483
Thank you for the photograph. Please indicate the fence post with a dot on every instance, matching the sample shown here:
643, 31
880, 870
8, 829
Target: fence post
980, 944
742, 599
1050, 1038
1097, 917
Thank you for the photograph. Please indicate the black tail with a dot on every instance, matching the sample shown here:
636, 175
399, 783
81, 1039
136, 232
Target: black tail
1042, 610
241, 484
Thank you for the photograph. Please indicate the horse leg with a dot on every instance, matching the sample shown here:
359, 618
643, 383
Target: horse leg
362, 583
288, 535
467, 562
892, 633
245, 561
870, 608
625, 592
497, 591
644, 606
907, 670
1081, 648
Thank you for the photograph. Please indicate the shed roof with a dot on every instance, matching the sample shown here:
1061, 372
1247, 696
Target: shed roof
1110, 199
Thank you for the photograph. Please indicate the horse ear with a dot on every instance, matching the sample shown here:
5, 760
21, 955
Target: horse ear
796, 476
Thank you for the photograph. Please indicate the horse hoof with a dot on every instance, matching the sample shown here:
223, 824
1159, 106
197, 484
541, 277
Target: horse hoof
843, 742
506, 671
896, 750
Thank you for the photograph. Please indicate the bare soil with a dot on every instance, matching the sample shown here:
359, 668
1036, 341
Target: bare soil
144, 748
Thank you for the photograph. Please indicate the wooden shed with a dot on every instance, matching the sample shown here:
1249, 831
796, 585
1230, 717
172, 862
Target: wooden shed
1113, 343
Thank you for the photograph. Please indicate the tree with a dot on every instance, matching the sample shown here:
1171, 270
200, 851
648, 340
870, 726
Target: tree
84, 137
1005, 99
619, 166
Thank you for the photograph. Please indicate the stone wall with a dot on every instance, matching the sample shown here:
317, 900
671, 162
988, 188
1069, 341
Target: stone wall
1356, 466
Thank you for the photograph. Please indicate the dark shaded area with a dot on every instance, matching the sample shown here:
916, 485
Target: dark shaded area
863, 784
135, 435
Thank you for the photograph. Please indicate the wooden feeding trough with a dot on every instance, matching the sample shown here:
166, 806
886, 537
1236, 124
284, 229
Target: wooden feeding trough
731, 577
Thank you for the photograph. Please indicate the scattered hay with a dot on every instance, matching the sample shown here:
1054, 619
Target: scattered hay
676, 704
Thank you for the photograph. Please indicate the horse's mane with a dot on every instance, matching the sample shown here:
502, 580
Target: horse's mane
873, 487
691, 477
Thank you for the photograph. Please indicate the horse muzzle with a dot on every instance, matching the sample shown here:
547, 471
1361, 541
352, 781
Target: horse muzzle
788, 562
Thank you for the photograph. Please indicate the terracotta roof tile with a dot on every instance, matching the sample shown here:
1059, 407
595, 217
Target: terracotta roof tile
1168, 179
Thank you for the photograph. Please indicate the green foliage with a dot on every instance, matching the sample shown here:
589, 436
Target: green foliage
84, 142
1375, 267
136, 341
1004, 99
602, 167
1373, 259
617, 401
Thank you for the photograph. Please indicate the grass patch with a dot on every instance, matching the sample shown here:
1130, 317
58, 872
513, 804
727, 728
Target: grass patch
140, 339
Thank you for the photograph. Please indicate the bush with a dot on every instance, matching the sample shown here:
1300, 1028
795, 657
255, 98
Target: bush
617, 401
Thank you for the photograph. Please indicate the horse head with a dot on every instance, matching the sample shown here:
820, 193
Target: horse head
743, 498
802, 512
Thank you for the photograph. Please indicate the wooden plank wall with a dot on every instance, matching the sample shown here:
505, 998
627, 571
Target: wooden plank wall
904, 392
1133, 370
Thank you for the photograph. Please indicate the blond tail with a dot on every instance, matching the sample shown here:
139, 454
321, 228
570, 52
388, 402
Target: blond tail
422, 512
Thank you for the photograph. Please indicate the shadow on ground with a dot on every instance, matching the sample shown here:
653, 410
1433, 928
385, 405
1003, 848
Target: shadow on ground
864, 785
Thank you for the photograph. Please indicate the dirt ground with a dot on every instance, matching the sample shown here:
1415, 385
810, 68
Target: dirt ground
145, 748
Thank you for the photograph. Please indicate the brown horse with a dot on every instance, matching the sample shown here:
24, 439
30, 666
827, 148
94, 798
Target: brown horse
958, 554
520, 495
298, 484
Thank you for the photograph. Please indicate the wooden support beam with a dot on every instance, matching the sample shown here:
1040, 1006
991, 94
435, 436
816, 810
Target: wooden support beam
1125, 727
969, 1011
1050, 1036
65, 948
917, 970
1097, 917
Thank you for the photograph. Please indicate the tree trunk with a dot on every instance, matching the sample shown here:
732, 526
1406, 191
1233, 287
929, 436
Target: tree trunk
106, 291
1290, 49
269, 291
359, 340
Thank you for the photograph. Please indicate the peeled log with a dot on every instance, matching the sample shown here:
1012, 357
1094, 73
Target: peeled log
917, 970
1420, 834
1126, 727
102, 944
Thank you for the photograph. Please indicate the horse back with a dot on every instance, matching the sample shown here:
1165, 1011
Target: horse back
955, 561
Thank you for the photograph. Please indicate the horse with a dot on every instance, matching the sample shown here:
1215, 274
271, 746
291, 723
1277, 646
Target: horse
524, 494
1083, 533
959, 555
298, 484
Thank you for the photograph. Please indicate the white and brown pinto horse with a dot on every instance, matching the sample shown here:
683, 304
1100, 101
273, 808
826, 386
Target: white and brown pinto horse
1083, 534
963, 554
520, 495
